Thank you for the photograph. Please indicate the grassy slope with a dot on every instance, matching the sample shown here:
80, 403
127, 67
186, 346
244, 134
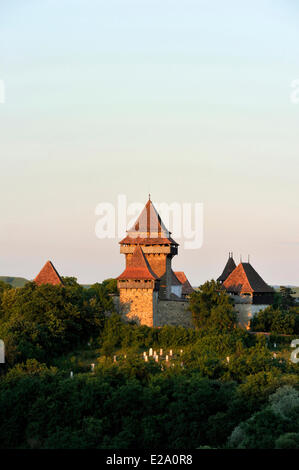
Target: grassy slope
21, 281
14, 281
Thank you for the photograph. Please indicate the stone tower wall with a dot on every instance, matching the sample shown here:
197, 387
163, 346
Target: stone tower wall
174, 312
245, 313
139, 305
170, 312
144, 307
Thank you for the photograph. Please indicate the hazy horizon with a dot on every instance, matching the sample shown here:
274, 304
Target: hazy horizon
189, 101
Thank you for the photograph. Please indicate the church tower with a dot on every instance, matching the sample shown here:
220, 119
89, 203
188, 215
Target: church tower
228, 269
149, 249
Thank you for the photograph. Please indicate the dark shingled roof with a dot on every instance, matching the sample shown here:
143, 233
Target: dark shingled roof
138, 268
245, 279
149, 229
187, 289
48, 275
229, 267
174, 281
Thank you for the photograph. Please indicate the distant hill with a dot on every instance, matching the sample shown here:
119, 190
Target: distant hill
14, 281
21, 281
294, 288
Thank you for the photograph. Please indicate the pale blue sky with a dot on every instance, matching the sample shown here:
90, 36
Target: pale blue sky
189, 100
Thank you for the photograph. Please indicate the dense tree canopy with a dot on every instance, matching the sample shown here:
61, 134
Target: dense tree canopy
222, 386
212, 307
45, 321
277, 320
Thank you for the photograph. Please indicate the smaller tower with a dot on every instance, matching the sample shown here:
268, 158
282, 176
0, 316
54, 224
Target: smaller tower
229, 267
244, 281
138, 290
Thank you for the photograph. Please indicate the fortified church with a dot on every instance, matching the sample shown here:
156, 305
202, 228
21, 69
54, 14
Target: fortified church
152, 294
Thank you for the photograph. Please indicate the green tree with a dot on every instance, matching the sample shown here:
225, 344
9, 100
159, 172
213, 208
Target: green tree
110, 285
286, 297
3, 287
44, 321
284, 401
289, 440
212, 307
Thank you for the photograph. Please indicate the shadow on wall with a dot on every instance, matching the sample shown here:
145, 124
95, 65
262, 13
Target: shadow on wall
245, 312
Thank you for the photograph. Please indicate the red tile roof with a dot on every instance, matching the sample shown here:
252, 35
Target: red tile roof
187, 288
148, 229
139, 240
48, 275
244, 279
181, 276
174, 279
138, 268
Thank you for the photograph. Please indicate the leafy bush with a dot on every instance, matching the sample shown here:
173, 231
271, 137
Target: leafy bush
46, 321
212, 308
275, 320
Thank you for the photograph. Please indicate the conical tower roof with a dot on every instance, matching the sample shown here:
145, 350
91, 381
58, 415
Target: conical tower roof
229, 267
48, 275
148, 228
149, 222
138, 267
